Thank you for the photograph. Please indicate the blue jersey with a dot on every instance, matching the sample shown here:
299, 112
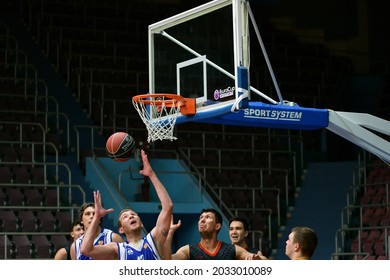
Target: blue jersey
147, 251
104, 237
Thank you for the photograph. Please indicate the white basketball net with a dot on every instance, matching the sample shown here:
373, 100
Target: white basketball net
159, 116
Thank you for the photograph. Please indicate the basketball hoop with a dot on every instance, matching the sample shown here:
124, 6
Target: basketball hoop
159, 111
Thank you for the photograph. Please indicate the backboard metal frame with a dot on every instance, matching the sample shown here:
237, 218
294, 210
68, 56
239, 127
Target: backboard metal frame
277, 114
240, 37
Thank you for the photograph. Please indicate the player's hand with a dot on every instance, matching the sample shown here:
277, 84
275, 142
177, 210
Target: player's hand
259, 256
99, 209
147, 169
174, 226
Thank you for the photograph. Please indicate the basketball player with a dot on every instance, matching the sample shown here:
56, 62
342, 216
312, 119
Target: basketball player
100, 235
238, 232
209, 247
136, 246
301, 243
75, 232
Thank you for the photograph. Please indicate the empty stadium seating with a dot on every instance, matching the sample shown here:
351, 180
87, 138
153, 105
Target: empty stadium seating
369, 225
26, 120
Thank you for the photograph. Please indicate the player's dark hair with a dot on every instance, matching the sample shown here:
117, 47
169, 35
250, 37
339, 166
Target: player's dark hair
218, 216
76, 223
242, 220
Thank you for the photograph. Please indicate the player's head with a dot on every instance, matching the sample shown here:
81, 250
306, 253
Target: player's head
86, 213
214, 215
302, 239
128, 221
76, 229
238, 230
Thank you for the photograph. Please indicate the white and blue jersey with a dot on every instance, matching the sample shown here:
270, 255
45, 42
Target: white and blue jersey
104, 237
147, 251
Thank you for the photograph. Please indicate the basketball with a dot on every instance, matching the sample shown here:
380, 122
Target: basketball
119, 146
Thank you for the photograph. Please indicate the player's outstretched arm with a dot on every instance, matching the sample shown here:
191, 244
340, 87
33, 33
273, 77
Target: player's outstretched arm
160, 231
98, 252
168, 242
242, 254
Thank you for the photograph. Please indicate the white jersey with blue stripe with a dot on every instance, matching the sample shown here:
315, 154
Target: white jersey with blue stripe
147, 251
104, 237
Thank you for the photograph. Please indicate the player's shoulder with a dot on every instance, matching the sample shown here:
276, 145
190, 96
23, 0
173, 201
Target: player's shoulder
62, 250
61, 253
184, 249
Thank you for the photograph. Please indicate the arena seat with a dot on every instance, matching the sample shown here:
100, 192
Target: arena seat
42, 248
46, 221
8, 221
21, 247
27, 221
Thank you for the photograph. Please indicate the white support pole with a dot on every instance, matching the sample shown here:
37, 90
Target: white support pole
352, 126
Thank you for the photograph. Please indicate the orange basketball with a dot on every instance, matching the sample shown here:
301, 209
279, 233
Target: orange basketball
119, 146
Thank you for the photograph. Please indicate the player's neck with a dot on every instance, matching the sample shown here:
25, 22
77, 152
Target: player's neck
242, 244
137, 244
210, 244
299, 256
133, 238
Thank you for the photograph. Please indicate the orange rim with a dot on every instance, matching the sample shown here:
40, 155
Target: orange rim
172, 99
187, 105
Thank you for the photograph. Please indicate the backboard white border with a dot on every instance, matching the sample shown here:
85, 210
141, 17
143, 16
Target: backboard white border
159, 27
